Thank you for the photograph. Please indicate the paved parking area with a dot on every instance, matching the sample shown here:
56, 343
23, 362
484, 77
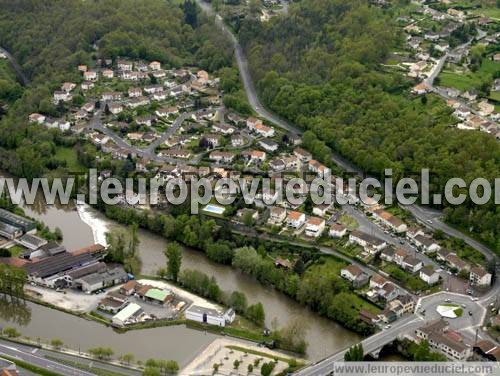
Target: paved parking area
68, 299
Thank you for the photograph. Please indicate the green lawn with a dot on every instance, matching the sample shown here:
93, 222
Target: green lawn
469, 80
410, 281
495, 96
69, 155
348, 222
16, 250
488, 12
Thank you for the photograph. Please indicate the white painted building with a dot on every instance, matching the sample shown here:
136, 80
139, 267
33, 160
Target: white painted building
206, 315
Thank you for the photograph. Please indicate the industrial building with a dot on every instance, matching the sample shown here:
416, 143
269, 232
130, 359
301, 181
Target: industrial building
210, 315
127, 315
26, 225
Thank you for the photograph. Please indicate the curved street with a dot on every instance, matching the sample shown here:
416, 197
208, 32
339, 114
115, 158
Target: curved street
422, 214
17, 68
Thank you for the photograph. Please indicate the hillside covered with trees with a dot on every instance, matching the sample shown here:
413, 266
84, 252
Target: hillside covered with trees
320, 67
51, 38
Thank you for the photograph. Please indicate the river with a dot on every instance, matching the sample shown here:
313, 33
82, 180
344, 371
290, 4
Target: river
86, 225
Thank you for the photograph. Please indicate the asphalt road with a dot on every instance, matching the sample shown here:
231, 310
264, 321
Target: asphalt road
17, 68
407, 326
421, 214
37, 356
26, 354
95, 123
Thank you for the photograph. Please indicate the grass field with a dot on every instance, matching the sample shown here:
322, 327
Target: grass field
469, 80
69, 155
495, 96
491, 12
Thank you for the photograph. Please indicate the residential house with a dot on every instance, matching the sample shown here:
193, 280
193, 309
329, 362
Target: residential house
243, 213
269, 145
388, 292
337, 230
302, 155
446, 341
456, 262
479, 277
426, 244
134, 92
177, 91
146, 120
36, 118
155, 65
276, 215
407, 302
368, 317
87, 85
111, 96
62, 96
370, 243
388, 254
315, 226
429, 275
387, 316
222, 156
487, 350
151, 89
295, 219
212, 139
138, 102
166, 111
88, 107
254, 156
108, 73
124, 65
318, 168
442, 254
90, 76
377, 281
389, 220
399, 256
420, 88
412, 264
114, 107
264, 130
485, 108
175, 153
354, 275
321, 209
68, 86
237, 141
223, 128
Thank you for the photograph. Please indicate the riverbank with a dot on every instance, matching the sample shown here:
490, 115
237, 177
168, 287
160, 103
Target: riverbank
225, 355
80, 229
70, 301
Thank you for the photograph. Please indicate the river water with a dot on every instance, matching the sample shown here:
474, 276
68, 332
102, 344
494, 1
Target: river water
84, 225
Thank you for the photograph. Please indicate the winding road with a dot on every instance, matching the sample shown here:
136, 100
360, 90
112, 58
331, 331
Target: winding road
427, 216
17, 68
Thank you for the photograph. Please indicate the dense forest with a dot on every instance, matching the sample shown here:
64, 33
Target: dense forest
320, 67
50, 38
